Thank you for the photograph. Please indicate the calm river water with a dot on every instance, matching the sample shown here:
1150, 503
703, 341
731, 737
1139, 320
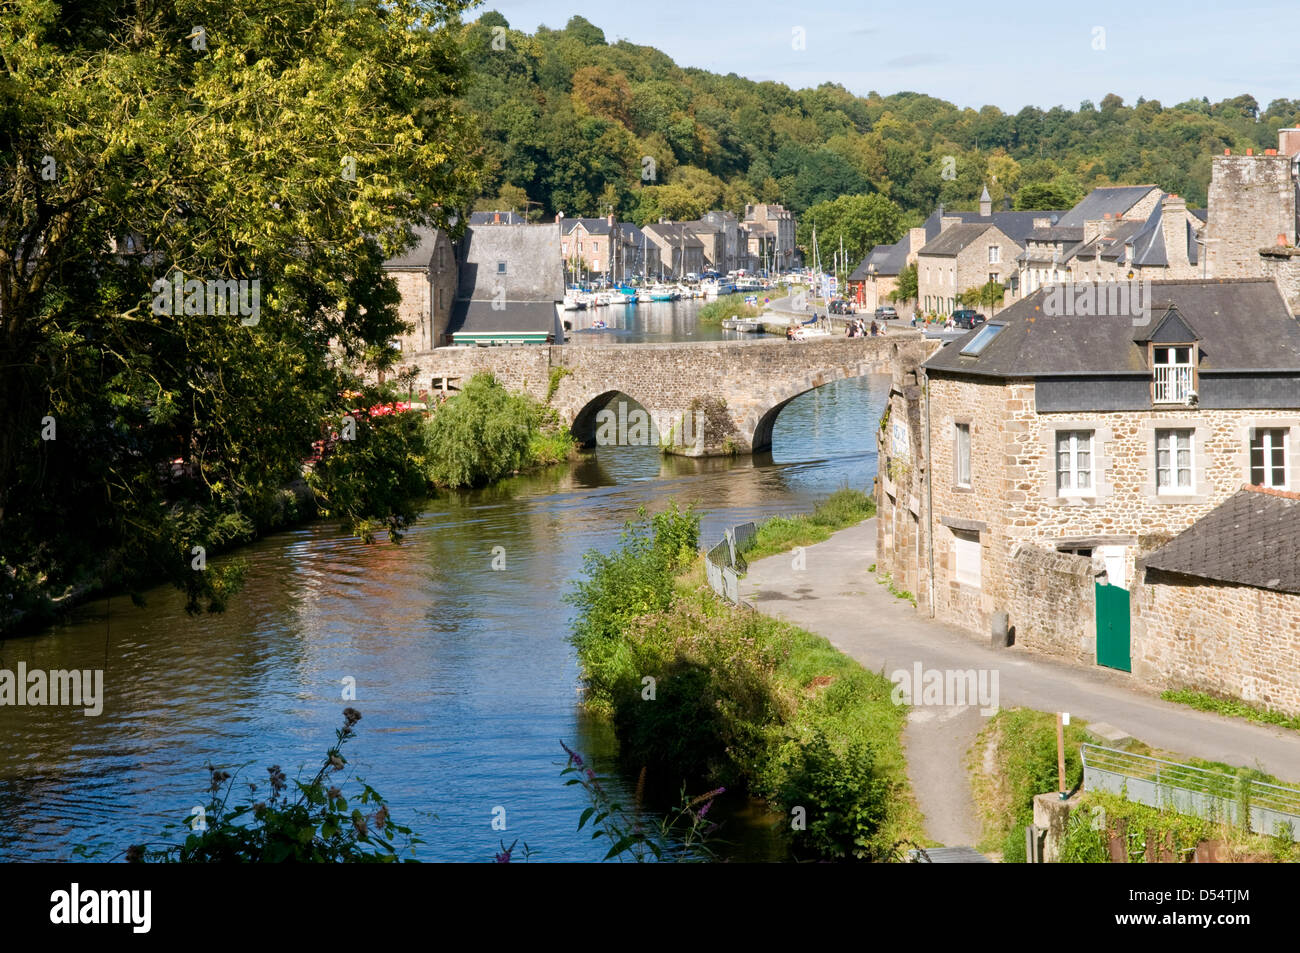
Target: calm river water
463, 675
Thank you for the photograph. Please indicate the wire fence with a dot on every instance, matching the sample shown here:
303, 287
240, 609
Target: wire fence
724, 564
1251, 804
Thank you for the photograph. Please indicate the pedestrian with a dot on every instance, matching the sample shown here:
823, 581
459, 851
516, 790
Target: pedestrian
875, 329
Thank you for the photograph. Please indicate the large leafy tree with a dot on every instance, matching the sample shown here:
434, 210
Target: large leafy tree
283, 141
860, 221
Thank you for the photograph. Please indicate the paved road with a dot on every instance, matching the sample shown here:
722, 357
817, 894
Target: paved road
836, 597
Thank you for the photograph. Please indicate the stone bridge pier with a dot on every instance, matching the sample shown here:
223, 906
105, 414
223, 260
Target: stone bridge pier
707, 398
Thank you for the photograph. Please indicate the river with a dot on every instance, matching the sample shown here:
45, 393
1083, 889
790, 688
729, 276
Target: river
463, 674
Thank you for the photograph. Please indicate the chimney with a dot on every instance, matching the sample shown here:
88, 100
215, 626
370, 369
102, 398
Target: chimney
1288, 142
1227, 152
1173, 225
496, 218
915, 242
1281, 240
986, 203
610, 220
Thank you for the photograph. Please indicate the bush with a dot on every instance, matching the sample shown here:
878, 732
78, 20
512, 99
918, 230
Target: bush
846, 798
485, 433
726, 306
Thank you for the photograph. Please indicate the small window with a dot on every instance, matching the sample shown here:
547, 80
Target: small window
966, 549
1174, 461
982, 339
501, 268
995, 254
962, 454
1268, 452
1074, 463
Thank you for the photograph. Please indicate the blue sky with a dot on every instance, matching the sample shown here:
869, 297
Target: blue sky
971, 53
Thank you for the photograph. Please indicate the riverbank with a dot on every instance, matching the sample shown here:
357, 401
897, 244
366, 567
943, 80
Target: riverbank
712, 694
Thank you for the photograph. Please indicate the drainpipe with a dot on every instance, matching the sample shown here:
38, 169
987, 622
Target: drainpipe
929, 488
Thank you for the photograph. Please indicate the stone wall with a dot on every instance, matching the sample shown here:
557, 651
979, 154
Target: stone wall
1053, 603
1282, 264
1252, 200
1181, 638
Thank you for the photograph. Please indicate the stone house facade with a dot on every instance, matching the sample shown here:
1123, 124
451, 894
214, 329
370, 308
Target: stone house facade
680, 252
963, 256
1029, 467
770, 231
426, 276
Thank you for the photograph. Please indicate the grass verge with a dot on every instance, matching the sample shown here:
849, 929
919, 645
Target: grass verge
1231, 707
705, 692
843, 508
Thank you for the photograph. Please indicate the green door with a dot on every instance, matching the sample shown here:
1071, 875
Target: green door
1112, 628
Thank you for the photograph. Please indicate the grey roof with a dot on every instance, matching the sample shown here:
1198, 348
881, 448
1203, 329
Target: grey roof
419, 255
1242, 324
480, 317
954, 238
497, 218
1097, 204
1111, 244
1251, 539
1056, 233
1016, 225
674, 232
1201, 213
594, 226
531, 254
984, 195
1147, 238
888, 260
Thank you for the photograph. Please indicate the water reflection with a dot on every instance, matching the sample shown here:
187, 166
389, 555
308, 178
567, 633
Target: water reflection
463, 673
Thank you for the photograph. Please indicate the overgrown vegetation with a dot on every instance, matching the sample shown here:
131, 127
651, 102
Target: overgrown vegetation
727, 306
315, 824
706, 693
1231, 707
1014, 758
843, 508
485, 433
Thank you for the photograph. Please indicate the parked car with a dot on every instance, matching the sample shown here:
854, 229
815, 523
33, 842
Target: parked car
967, 319
886, 313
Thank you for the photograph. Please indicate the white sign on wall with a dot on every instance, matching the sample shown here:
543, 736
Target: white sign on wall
899, 442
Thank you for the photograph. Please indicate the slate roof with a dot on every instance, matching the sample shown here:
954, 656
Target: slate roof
1113, 200
889, 260
1056, 233
491, 218
419, 255
954, 238
674, 232
480, 317
1251, 539
594, 226
1111, 245
1016, 225
1243, 325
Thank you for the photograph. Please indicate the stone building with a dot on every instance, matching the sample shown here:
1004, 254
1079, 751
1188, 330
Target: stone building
873, 281
963, 256
510, 286
680, 251
1164, 246
1219, 607
1253, 204
589, 246
1027, 467
771, 236
426, 275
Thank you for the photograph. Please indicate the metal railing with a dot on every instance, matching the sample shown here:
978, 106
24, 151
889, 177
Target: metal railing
1255, 805
1173, 383
724, 564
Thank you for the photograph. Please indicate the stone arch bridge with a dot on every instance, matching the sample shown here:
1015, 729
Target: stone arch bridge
707, 398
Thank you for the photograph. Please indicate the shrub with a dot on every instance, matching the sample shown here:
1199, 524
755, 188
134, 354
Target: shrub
846, 798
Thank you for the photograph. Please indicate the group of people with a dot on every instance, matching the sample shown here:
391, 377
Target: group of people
858, 329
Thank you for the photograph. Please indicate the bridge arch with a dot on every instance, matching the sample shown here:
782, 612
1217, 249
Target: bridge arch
585, 420
759, 425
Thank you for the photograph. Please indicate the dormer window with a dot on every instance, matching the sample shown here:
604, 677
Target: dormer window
1173, 368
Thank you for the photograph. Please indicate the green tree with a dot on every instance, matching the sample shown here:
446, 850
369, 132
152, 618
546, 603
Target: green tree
861, 221
906, 288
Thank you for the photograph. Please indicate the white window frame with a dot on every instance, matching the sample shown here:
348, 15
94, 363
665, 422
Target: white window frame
995, 254
1176, 436
1265, 436
1173, 378
958, 429
967, 563
1067, 479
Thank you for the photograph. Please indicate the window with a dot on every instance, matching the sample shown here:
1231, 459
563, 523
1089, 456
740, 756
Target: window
962, 454
1074, 462
966, 548
501, 268
995, 255
994, 279
981, 340
1268, 458
1174, 461
1173, 374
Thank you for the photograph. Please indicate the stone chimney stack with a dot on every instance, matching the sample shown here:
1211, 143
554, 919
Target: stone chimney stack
1288, 142
1173, 225
986, 203
915, 242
